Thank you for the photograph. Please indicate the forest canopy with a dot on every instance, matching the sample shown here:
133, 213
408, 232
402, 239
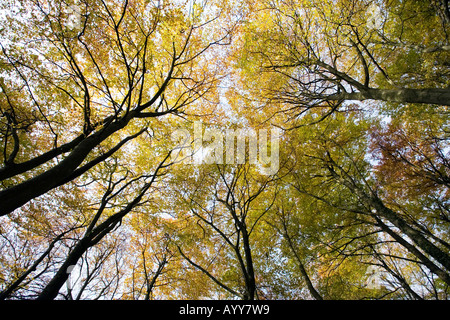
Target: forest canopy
255, 149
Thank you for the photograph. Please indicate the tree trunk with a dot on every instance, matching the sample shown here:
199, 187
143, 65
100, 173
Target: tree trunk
249, 270
428, 96
417, 237
92, 236
381, 211
151, 284
16, 196
316, 295
416, 252
52, 288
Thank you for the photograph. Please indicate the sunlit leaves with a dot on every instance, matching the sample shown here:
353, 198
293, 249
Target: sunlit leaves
362, 187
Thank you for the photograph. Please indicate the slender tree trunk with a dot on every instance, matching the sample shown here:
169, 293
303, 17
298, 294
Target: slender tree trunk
301, 267
222, 285
381, 211
151, 284
444, 276
92, 236
399, 277
8, 291
13, 169
249, 270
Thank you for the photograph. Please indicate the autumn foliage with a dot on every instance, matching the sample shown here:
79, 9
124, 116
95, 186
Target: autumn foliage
97, 203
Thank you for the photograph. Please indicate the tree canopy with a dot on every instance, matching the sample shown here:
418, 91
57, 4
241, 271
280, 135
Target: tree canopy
256, 149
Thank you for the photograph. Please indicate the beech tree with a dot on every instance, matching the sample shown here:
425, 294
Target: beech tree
336, 162
324, 53
98, 200
103, 75
230, 215
84, 81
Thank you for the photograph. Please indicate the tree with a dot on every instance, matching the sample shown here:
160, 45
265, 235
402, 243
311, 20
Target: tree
85, 92
230, 216
99, 200
155, 258
7, 292
300, 55
96, 231
341, 166
108, 74
284, 219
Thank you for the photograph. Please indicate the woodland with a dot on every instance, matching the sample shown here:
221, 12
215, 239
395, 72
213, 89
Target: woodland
96, 202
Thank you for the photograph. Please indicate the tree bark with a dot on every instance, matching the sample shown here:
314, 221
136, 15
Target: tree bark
16, 196
316, 295
435, 96
249, 270
381, 211
92, 236
52, 288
